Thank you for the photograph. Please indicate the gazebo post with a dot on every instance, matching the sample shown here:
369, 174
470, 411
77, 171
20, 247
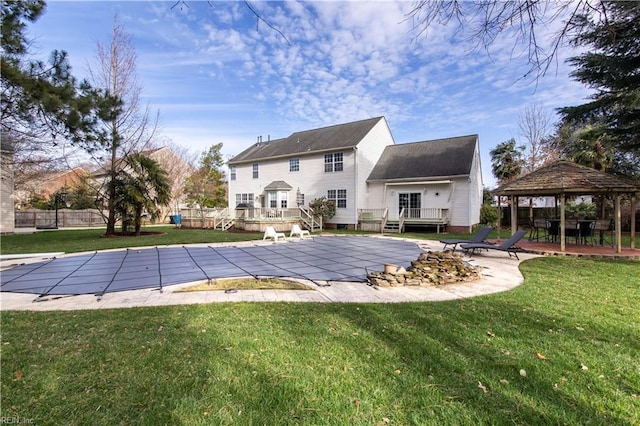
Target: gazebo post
618, 225
514, 214
562, 231
499, 216
633, 220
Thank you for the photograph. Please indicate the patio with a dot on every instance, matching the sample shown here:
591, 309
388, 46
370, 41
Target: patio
586, 250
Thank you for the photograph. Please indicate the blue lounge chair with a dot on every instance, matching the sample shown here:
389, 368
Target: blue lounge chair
479, 237
507, 246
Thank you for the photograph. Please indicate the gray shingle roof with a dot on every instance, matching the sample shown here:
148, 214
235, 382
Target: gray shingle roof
339, 136
567, 177
278, 185
426, 160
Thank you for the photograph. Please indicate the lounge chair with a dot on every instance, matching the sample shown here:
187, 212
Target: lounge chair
270, 232
479, 237
507, 246
296, 230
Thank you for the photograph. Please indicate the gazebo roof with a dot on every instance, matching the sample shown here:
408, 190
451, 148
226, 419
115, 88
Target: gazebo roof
566, 177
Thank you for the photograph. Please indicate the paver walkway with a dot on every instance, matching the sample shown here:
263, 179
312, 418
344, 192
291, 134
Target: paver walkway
498, 273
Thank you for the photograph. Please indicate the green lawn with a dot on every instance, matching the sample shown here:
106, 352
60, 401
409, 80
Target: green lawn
91, 239
563, 348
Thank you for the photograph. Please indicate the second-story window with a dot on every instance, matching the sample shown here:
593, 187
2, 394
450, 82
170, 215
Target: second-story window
294, 165
256, 174
233, 171
333, 162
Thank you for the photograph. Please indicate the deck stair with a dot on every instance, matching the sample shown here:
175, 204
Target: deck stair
392, 227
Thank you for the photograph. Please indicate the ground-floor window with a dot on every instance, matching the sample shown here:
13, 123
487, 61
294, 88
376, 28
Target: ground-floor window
339, 197
244, 199
278, 199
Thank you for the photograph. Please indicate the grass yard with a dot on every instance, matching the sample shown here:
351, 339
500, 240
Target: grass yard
91, 239
563, 348
245, 284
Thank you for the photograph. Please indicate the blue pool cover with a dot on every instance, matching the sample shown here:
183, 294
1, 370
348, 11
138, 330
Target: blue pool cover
321, 259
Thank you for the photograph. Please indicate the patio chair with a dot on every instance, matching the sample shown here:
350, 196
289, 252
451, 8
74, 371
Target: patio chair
537, 227
479, 237
600, 230
572, 229
271, 232
508, 245
586, 230
296, 230
553, 230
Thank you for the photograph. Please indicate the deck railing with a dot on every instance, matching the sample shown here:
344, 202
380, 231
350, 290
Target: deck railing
265, 213
371, 214
427, 214
310, 219
401, 219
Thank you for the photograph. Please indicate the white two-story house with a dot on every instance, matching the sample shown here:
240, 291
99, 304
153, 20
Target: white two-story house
374, 183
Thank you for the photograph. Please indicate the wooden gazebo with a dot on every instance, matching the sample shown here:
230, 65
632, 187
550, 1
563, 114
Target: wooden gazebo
564, 179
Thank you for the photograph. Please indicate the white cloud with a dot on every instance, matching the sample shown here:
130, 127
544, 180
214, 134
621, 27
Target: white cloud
216, 78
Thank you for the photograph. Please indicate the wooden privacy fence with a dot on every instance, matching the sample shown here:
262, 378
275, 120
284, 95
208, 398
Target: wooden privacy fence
66, 218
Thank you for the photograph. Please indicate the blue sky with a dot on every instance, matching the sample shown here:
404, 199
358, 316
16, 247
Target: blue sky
216, 76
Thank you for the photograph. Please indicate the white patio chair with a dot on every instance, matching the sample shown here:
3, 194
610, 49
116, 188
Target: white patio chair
296, 230
271, 232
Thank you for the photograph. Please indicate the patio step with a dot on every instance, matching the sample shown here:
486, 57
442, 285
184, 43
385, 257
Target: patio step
392, 227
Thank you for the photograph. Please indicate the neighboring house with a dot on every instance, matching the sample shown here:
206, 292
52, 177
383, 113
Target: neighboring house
7, 212
62, 180
45, 184
370, 178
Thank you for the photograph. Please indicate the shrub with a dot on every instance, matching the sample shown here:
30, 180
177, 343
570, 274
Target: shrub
489, 215
323, 207
583, 210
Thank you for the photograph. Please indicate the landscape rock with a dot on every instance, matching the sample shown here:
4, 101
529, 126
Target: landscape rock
431, 268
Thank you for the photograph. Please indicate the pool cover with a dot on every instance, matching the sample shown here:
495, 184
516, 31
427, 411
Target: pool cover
321, 259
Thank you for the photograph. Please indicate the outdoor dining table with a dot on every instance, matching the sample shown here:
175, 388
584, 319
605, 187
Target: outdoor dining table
582, 230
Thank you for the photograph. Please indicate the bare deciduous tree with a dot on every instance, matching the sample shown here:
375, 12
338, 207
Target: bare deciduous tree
535, 126
130, 127
484, 21
179, 165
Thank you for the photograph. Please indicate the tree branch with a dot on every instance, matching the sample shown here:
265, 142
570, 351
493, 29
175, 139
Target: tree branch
260, 18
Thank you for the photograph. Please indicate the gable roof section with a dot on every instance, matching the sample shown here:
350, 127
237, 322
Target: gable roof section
426, 160
278, 185
569, 178
340, 136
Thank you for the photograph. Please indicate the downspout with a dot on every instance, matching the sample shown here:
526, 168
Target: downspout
470, 205
355, 186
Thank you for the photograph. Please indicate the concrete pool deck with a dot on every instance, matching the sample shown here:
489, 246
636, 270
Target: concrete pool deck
498, 273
